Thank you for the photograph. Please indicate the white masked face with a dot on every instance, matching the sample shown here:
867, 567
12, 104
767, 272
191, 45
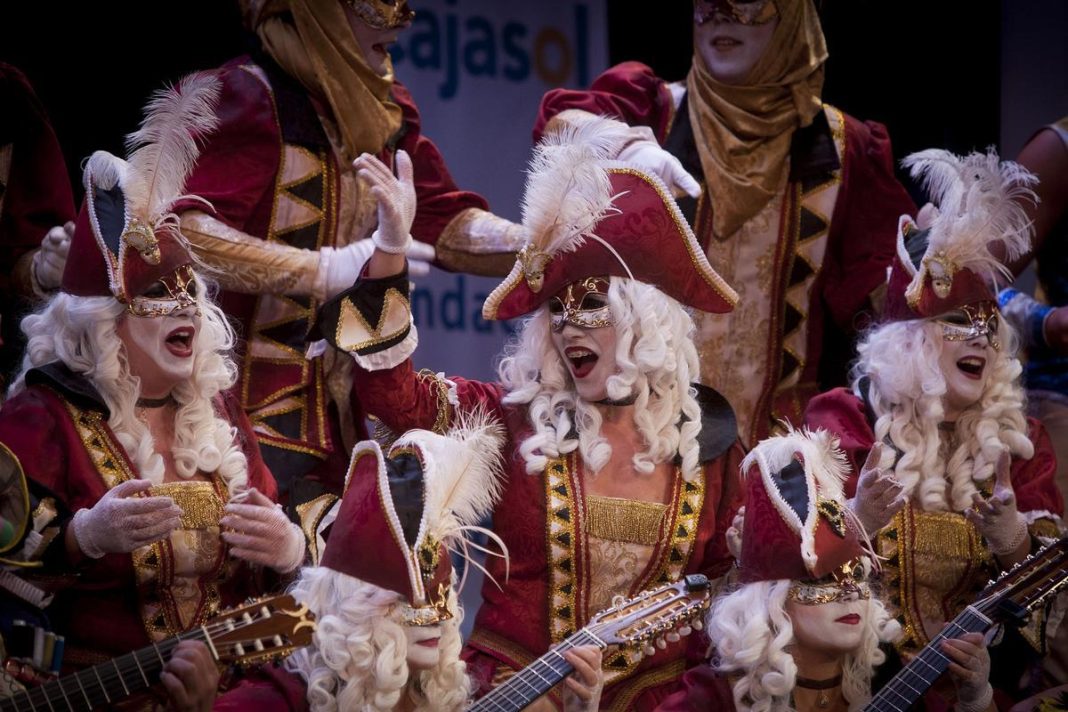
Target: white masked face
834, 628
160, 348
588, 352
729, 48
423, 642
966, 367
373, 42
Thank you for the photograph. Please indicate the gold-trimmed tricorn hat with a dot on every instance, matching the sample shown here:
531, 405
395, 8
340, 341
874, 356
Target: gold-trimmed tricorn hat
588, 216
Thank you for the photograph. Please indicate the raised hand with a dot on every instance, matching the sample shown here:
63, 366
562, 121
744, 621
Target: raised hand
51, 258
997, 518
262, 533
396, 200
121, 521
734, 534
879, 494
649, 156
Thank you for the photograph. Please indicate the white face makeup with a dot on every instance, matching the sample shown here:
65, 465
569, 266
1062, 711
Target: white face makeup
423, 641
729, 48
966, 367
588, 353
373, 42
160, 349
833, 628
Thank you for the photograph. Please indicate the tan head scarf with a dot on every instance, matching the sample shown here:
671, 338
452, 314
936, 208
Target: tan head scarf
313, 42
743, 131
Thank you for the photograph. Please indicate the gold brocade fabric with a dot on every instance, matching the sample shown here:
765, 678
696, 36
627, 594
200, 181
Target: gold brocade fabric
743, 131
622, 537
183, 571
936, 564
316, 46
741, 338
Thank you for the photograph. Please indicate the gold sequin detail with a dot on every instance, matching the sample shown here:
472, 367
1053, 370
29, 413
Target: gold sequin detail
626, 520
200, 503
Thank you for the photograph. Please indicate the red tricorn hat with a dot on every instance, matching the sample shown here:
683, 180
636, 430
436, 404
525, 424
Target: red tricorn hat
126, 236
587, 216
797, 524
403, 513
948, 264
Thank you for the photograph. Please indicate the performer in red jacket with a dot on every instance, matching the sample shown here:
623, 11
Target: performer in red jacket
795, 202
620, 475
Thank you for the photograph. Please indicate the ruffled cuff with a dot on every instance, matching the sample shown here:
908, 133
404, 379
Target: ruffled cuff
372, 321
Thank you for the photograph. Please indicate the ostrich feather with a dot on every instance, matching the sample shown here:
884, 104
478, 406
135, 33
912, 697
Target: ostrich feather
979, 200
822, 457
568, 191
163, 152
105, 171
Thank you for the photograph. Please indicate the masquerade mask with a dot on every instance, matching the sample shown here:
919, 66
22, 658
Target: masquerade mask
745, 12
583, 304
971, 321
382, 14
176, 291
436, 612
845, 581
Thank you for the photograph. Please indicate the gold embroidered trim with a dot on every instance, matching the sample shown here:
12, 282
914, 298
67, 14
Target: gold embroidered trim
913, 532
627, 520
623, 700
311, 514
200, 503
690, 503
108, 457
561, 533
444, 414
350, 319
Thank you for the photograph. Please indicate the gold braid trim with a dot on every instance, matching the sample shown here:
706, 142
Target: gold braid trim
444, 414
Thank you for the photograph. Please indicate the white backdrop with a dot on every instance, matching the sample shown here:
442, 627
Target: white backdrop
477, 70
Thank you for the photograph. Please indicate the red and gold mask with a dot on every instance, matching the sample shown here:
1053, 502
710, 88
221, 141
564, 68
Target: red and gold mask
970, 321
745, 12
169, 294
383, 14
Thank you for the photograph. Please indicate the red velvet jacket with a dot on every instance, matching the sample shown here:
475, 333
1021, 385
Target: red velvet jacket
542, 596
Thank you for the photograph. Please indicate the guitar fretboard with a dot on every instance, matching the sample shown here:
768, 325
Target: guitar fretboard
915, 678
535, 679
99, 685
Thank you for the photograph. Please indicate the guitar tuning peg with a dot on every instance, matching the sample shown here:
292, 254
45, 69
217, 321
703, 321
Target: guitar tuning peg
685, 630
661, 643
698, 624
649, 650
673, 637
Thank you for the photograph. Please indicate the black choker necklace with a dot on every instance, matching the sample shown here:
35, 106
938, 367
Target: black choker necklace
823, 700
155, 402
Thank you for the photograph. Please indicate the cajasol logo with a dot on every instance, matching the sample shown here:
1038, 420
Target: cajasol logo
485, 39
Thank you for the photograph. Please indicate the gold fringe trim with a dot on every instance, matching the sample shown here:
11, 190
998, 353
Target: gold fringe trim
626, 520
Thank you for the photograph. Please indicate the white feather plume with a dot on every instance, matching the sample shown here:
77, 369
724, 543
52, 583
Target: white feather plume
979, 202
105, 171
163, 152
823, 459
568, 191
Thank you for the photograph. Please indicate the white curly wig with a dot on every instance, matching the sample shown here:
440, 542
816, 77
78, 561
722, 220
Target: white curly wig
357, 660
752, 634
901, 359
81, 333
657, 361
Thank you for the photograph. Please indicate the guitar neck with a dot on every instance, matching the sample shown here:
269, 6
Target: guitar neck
535, 679
913, 680
101, 684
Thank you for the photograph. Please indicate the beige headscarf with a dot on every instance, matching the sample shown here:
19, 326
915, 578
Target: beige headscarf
313, 42
743, 131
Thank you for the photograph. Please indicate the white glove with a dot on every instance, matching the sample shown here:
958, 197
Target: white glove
262, 533
339, 267
396, 200
879, 494
997, 518
734, 534
420, 256
969, 666
583, 687
646, 154
121, 522
51, 258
